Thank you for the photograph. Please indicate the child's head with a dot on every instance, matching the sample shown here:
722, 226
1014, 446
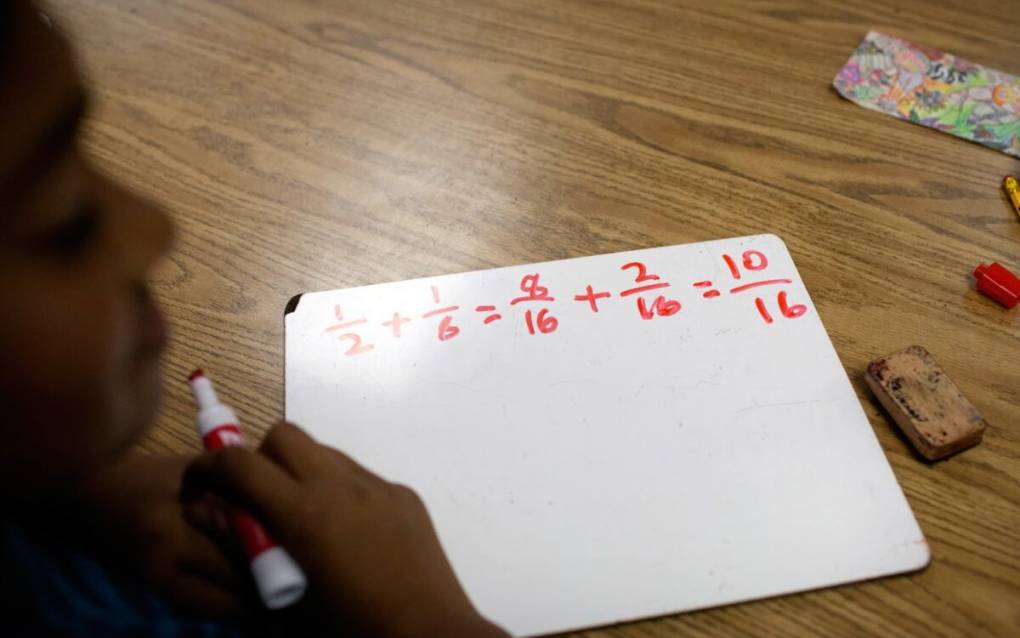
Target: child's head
80, 337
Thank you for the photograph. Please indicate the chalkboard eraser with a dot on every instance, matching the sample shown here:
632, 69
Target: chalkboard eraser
925, 403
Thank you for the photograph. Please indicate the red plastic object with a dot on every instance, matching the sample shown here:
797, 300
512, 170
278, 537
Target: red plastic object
998, 283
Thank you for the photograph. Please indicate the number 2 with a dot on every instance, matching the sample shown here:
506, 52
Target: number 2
356, 347
642, 271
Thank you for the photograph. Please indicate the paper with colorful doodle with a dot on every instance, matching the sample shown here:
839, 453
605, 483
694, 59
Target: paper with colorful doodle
935, 89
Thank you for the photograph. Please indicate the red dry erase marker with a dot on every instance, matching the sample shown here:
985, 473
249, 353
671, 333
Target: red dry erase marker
278, 578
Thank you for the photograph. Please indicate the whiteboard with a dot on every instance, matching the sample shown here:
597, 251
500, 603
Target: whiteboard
607, 458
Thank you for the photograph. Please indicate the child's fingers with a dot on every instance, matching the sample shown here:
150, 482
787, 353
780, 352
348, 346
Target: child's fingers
351, 465
205, 559
296, 452
293, 450
244, 477
209, 515
302, 456
195, 594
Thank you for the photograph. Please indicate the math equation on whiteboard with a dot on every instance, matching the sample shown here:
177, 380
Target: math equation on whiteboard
652, 296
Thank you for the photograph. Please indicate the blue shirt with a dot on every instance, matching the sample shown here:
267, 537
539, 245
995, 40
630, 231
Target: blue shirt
57, 591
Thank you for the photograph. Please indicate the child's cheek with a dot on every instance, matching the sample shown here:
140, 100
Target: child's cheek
62, 388
119, 394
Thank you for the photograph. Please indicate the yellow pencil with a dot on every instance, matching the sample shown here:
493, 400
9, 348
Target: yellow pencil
1012, 188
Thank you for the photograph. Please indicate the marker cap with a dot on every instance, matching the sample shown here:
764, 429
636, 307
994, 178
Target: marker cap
998, 283
278, 578
211, 413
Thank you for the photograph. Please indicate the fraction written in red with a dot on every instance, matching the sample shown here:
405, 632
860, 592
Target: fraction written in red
648, 290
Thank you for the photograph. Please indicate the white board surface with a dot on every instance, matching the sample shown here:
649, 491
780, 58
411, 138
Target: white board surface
617, 467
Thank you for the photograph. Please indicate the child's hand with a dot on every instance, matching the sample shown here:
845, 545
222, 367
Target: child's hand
134, 515
367, 545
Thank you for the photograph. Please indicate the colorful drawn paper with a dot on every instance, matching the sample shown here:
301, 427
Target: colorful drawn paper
935, 89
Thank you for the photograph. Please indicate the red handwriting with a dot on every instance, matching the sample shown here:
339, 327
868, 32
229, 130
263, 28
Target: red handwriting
767, 282
493, 317
708, 294
357, 347
732, 266
536, 292
396, 322
788, 311
642, 275
642, 271
540, 320
640, 289
339, 313
661, 306
546, 323
592, 297
755, 260
751, 260
439, 311
446, 329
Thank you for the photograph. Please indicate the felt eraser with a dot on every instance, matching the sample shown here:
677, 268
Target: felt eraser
925, 403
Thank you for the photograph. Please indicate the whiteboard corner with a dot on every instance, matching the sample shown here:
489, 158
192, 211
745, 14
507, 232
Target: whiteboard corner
776, 238
924, 559
292, 304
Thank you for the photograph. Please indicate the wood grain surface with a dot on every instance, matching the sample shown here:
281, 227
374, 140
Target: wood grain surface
318, 145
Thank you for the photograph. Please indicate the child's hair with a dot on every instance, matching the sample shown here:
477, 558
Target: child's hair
5, 26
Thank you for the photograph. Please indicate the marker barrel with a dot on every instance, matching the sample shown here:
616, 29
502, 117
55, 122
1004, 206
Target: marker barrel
279, 580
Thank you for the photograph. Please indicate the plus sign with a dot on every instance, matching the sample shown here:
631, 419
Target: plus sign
592, 298
396, 322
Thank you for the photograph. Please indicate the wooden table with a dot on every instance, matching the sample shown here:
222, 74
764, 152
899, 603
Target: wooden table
321, 145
